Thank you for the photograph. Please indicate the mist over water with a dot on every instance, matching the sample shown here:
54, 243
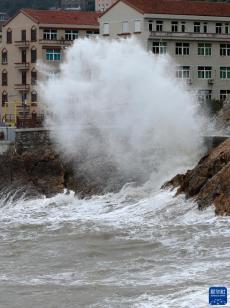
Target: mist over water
114, 100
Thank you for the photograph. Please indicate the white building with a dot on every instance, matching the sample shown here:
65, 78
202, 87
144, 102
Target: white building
195, 34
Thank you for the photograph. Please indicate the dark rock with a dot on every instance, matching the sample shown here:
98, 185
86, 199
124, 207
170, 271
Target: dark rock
209, 182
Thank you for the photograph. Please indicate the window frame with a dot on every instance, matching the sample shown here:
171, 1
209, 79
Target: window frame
159, 25
225, 49
106, 28
71, 35
204, 72
50, 34
53, 55
160, 47
183, 72
182, 49
204, 49
224, 72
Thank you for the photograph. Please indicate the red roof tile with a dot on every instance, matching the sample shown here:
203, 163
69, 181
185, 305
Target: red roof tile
63, 17
180, 7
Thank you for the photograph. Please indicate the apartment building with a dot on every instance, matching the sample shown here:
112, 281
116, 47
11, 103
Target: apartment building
195, 34
103, 5
30, 36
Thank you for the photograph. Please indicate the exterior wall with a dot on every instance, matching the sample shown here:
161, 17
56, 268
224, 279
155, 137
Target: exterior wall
119, 13
14, 67
193, 60
102, 5
122, 12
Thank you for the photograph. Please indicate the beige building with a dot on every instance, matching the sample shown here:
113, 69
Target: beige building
103, 5
195, 34
30, 36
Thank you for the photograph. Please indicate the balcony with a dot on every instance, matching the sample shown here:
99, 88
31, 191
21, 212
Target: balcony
189, 36
59, 43
22, 65
22, 87
22, 44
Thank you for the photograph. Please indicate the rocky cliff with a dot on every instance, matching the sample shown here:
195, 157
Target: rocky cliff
209, 182
43, 170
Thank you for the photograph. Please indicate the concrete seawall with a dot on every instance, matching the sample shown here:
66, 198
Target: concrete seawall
29, 138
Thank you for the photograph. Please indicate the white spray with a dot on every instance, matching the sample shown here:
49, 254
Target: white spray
114, 100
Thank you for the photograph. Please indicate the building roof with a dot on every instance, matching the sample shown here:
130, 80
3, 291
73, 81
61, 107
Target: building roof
179, 7
62, 17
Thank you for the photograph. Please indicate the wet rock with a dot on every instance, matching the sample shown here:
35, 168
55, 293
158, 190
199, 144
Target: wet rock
209, 182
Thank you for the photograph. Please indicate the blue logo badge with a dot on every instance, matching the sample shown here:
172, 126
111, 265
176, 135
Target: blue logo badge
218, 296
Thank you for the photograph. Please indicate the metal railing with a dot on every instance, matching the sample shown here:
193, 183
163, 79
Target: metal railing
31, 121
188, 35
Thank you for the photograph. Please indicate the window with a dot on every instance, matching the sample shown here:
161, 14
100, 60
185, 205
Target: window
9, 36
50, 34
4, 56
182, 48
159, 25
53, 54
183, 72
204, 49
33, 77
218, 27
204, 95
106, 29
224, 94
174, 26
150, 25
71, 35
205, 27
226, 28
24, 97
90, 33
182, 26
4, 98
23, 55
24, 77
34, 96
137, 26
205, 72
23, 35
196, 27
33, 34
159, 48
4, 78
225, 49
33, 55
125, 27
225, 72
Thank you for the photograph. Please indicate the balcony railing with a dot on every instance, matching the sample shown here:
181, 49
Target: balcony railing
56, 42
189, 35
34, 120
22, 65
22, 87
22, 44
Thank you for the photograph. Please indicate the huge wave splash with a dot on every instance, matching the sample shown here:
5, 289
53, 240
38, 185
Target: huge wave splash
114, 102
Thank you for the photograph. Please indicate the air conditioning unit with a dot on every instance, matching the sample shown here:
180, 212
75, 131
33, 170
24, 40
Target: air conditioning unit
189, 81
210, 81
